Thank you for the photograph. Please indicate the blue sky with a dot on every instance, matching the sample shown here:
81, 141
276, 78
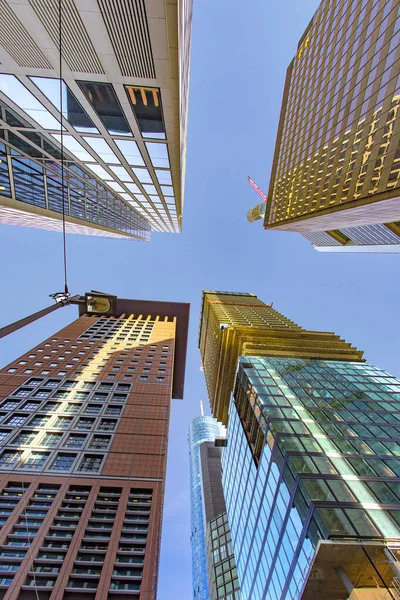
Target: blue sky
239, 57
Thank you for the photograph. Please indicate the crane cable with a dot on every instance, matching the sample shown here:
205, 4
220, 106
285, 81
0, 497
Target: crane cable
66, 292
60, 40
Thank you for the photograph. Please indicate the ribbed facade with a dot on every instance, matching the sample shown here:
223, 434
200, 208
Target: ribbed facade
233, 325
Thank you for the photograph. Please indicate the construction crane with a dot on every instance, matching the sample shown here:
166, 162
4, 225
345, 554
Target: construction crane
258, 211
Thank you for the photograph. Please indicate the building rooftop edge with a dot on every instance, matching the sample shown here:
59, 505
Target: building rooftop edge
203, 294
180, 310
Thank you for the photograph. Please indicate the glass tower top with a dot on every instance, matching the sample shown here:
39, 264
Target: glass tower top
201, 429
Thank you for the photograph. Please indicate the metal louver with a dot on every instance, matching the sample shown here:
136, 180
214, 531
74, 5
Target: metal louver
127, 27
78, 50
17, 42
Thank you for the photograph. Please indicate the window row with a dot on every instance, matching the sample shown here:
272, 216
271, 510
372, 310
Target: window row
60, 422
52, 439
54, 405
63, 461
34, 382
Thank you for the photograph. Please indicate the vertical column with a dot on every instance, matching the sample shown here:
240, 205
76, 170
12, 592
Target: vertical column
109, 561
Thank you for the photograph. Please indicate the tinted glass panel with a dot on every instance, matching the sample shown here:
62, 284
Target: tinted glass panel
105, 102
72, 110
22, 145
14, 121
146, 104
28, 182
5, 189
54, 192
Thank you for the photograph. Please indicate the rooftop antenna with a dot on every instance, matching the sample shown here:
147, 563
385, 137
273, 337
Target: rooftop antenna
201, 409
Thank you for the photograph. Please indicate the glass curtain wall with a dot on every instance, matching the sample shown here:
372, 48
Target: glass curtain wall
201, 429
312, 454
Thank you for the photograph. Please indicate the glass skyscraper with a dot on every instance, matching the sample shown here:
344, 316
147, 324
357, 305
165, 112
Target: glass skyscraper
311, 478
201, 429
336, 171
124, 114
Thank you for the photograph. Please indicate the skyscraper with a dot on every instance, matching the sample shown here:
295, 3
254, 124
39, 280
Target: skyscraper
214, 572
201, 429
237, 324
336, 170
223, 582
311, 479
310, 468
84, 433
124, 95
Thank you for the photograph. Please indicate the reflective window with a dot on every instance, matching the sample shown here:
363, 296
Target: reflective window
100, 442
18, 93
5, 189
143, 175
91, 463
23, 146
164, 177
101, 148
76, 440
51, 439
146, 104
105, 102
167, 190
15, 120
9, 458
63, 462
72, 110
270, 498
158, 154
25, 438
130, 150
16, 420
134, 189
35, 460
29, 182
75, 147
122, 173
99, 171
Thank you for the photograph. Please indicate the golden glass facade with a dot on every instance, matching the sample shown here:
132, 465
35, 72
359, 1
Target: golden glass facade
236, 324
338, 144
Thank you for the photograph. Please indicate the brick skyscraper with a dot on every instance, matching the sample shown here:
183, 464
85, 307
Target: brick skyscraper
84, 436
